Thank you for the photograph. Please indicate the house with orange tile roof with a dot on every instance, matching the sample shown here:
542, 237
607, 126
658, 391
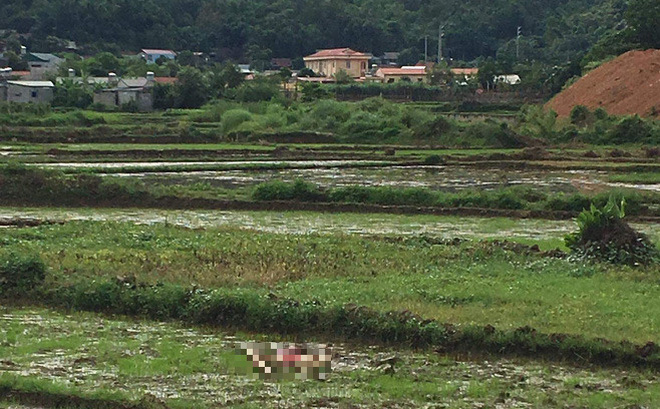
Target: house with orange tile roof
389, 75
329, 62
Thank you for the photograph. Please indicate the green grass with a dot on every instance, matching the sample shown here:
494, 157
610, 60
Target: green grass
637, 177
141, 357
468, 284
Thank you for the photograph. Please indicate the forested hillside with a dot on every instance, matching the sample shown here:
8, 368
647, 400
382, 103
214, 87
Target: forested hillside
553, 30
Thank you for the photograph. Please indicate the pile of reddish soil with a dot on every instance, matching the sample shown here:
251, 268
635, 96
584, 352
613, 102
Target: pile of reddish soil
629, 84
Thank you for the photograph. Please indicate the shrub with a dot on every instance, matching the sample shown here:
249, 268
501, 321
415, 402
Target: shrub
21, 272
298, 190
603, 235
630, 129
233, 118
257, 90
580, 115
434, 160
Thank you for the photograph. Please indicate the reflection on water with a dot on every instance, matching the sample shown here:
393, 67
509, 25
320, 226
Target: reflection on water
325, 223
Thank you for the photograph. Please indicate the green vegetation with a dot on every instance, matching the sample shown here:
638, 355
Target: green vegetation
371, 121
137, 357
258, 30
605, 236
92, 263
21, 185
502, 198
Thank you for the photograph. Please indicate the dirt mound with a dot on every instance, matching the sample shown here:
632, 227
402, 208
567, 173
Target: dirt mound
629, 84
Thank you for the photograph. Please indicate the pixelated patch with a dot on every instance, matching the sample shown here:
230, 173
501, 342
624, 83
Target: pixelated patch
286, 361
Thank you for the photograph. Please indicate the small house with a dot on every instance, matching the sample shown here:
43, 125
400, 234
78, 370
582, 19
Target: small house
122, 92
327, 63
389, 75
42, 64
152, 55
36, 92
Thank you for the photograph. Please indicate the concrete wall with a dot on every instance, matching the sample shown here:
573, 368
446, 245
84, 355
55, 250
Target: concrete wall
22, 94
106, 98
117, 98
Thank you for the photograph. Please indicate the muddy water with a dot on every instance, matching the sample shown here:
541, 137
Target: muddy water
308, 223
155, 165
322, 223
451, 178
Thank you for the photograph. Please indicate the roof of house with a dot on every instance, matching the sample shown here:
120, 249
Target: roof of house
132, 82
281, 62
35, 84
337, 52
157, 51
44, 57
465, 71
403, 71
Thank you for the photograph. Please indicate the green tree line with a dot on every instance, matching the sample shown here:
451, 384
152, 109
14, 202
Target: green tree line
256, 30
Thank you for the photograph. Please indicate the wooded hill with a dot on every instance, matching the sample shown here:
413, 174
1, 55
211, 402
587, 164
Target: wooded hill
553, 30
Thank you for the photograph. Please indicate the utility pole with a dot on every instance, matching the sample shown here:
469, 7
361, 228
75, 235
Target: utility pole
518, 34
426, 49
440, 35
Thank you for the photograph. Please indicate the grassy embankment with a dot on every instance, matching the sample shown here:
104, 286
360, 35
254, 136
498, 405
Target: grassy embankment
496, 300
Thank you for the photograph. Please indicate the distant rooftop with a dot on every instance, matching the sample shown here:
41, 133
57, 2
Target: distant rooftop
157, 51
34, 84
337, 52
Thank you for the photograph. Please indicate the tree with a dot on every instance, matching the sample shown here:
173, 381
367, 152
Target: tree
15, 62
192, 91
409, 56
487, 72
644, 17
186, 58
342, 77
306, 72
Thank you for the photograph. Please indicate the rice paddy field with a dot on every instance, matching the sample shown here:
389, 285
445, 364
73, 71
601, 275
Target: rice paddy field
142, 304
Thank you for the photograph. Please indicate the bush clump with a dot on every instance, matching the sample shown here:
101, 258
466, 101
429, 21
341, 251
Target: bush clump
603, 236
20, 273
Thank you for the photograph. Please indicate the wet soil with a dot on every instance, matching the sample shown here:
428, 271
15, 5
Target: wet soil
89, 351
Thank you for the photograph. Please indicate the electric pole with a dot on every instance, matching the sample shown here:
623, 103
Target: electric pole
426, 49
440, 35
518, 34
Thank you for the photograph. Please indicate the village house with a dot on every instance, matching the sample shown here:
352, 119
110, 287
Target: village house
121, 92
327, 63
43, 64
152, 55
389, 75
36, 92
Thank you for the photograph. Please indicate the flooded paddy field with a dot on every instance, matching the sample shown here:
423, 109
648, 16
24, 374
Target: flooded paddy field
446, 178
547, 233
177, 365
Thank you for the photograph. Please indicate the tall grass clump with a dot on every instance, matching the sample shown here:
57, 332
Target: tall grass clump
20, 273
603, 236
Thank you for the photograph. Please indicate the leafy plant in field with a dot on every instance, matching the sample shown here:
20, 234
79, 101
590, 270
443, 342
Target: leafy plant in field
20, 272
603, 235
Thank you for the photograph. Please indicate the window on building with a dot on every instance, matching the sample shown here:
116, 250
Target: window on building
34, 94
348, 64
